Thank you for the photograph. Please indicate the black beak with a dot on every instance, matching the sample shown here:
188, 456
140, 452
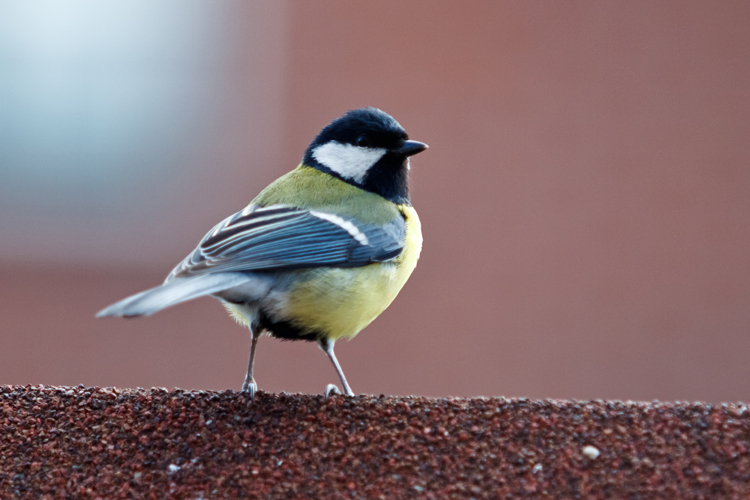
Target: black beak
411, 148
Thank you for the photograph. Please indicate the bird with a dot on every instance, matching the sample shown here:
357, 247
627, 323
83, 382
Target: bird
319, 254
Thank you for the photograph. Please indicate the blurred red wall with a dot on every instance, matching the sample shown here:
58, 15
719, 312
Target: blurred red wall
584, 204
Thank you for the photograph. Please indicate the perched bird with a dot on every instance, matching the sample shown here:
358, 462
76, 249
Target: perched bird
319, 253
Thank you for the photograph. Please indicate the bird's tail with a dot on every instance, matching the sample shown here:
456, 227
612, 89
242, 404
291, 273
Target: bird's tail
171, 293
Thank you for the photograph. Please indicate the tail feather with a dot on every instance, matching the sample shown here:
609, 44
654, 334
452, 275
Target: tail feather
171, 293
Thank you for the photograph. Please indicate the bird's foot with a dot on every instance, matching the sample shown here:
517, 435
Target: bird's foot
332, 389
250, 387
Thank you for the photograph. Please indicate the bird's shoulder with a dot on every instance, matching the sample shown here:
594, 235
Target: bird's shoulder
309, 189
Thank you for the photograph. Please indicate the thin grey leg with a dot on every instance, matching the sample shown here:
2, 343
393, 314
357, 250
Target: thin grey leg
250, 385
327, 346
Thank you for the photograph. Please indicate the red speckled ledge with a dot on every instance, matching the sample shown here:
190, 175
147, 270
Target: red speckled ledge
87, 442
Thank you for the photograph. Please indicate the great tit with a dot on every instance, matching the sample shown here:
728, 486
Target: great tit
319, 253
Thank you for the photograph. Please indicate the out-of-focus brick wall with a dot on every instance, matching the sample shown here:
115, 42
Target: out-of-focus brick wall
584, 204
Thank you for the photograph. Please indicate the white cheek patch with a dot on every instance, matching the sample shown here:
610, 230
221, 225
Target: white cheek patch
350, 162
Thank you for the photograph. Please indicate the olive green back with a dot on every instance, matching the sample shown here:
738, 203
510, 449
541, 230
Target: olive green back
311, 189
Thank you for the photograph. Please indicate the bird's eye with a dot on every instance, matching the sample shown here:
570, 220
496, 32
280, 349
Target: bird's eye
363, 141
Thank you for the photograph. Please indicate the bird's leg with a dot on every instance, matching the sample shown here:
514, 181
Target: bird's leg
250, 385
327, 346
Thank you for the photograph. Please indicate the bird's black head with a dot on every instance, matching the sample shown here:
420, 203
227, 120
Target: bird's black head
368, 149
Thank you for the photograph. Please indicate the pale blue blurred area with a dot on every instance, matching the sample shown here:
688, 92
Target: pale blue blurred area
111, 115
95, 97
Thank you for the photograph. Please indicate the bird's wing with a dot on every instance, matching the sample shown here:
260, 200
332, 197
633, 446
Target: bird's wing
283, 237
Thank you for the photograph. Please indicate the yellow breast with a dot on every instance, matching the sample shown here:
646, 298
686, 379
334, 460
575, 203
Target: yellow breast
340, 302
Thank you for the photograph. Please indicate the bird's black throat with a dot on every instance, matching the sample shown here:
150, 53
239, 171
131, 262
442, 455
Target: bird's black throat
389, 178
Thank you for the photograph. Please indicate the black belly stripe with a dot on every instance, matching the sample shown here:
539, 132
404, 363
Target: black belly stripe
287, 331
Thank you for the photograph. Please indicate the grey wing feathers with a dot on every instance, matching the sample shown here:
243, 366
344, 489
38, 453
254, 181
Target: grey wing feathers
169, 294
281, 237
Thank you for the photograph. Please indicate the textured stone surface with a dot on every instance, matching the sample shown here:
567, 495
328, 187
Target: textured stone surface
110, 443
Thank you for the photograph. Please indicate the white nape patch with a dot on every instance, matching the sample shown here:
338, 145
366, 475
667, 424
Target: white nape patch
349, 161
343, 224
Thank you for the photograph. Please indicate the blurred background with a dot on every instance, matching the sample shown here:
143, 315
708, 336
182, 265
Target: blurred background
585, 199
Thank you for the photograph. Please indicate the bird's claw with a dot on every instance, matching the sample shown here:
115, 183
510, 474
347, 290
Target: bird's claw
332, 389
250, 387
